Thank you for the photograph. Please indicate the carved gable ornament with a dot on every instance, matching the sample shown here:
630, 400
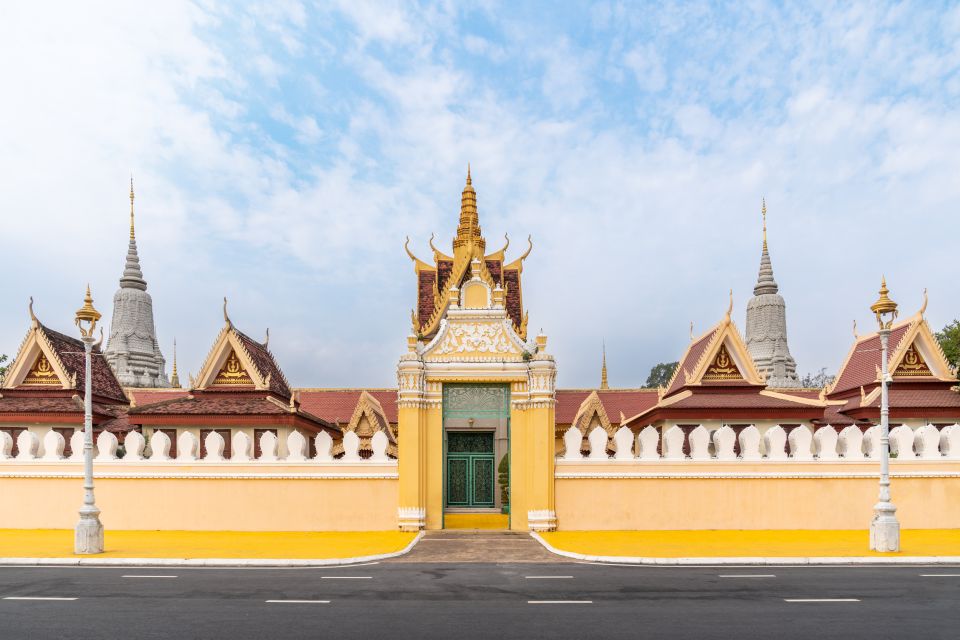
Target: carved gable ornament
722, 367
480, 340
912, 364
232, 372
41, 373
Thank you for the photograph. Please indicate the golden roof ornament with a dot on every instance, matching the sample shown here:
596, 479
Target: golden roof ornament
131, 206
468, 231
603, 370
175, 379
884, 307
923, 307
226, 318
87, 316
726, 317
763, 212
33, 318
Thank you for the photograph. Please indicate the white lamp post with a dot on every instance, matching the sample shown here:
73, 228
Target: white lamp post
88, 535
884, 529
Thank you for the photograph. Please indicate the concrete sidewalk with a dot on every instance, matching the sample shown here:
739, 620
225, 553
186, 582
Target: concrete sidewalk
206, 548
918, 546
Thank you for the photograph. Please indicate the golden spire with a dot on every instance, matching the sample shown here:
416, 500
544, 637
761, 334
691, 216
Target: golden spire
603, 370
884, 306
131, 207
175, 379
468, 231
763, 211
87, 316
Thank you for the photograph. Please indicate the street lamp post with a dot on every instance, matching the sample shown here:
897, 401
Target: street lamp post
884, 529
88, 535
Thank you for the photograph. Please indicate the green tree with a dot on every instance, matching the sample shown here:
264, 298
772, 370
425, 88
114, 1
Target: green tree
949, 340
3, 367
660, 375
816, 380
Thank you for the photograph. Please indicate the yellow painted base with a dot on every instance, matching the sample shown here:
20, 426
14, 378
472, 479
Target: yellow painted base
725, 544
476, 521
58, 543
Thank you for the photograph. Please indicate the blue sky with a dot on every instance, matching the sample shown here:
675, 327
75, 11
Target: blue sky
282, 152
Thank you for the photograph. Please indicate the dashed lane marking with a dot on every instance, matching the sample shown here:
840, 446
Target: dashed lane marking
346, 577
940, 575
821, 600
34, 598
297, 601
146, 576
548, 577
559, 601
746, 575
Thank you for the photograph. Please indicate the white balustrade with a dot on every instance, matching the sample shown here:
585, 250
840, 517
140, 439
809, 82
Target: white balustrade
133, 445
159, 446
572, 440
240, 447
647, 442
378, 443
926, 442
27, 445
598, 443
871, 442
324, 444
749, 439
623, 441
699, 443
214, 446
850, 443
775, 443
673, 443
187, 447
53, 444
268, 447
6, 445
901, 442
296, 447
950, 442
76, 446
825, 440
801, 443
351, 447
724, 440
106, 447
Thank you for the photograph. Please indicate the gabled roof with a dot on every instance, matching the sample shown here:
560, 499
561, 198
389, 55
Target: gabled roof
338, 405
861, 366
65, 356
616, 402
723, 340
256, 359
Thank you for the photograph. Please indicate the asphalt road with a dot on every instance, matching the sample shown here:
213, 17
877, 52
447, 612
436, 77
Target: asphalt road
501, 601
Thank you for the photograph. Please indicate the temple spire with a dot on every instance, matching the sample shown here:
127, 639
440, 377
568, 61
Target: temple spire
468, 231
132, 275
175, 379
765, 282
603, 370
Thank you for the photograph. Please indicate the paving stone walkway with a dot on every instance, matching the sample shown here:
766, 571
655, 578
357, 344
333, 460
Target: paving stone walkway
478, 545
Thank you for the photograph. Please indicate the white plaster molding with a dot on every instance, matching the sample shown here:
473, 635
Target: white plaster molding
775, 443
106, 447
901, 442
323, 444
673, 444
27, 445
572, 440
623, 442
296, 447
378, 443
826, 443
53, 444
801, 443
541, 520
647, 442
926, 442
699, 440
950, 442
723, 441
351, 447
850, 443
240, 449
186, 447
133, 445
6, 445
268, 447
749, 439
159, 446
598, 443
214, 445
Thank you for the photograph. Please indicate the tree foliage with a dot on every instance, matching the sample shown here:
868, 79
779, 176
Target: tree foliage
949, 340
660, 375
3, 366
816, 380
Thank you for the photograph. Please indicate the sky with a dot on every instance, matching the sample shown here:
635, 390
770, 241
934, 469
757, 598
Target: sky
283, 151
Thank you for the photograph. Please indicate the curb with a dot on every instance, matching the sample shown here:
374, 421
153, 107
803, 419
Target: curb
204, 562
801, 560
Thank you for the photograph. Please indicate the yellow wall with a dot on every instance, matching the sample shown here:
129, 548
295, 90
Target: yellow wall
744, 503
192, 503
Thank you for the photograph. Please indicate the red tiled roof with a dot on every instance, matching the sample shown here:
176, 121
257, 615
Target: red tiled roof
736, 400
690, 360
425, 302
513, 302
832, 415
917, 398
70, 352
212, 405
337, 405
861, 366
629, 401
264, 362
149, 396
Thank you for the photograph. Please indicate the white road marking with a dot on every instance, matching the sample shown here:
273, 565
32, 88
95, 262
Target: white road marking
145, 576
821, 600
746, 575
298, 601
547, 577
559, 601
346, 577
34, 598
940, 575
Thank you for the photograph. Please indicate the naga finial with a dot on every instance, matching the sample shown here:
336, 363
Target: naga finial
266, 340
923, 307
729, 307
856, 336
691, 330
33, 318
435, 250
529, 248
226, 318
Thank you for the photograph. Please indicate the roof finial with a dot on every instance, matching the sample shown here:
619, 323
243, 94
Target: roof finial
729, 307
33, 318
469, 181
226, 318
131, 206
266, 341
923, 307
856, 336
763, 211
603, 370
175, 379
691, 330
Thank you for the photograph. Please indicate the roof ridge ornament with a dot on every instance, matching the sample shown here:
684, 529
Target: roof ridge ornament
923, 307
726, 317
226, 318
33, 318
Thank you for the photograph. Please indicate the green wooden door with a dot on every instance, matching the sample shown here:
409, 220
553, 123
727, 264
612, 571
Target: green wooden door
470, 472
